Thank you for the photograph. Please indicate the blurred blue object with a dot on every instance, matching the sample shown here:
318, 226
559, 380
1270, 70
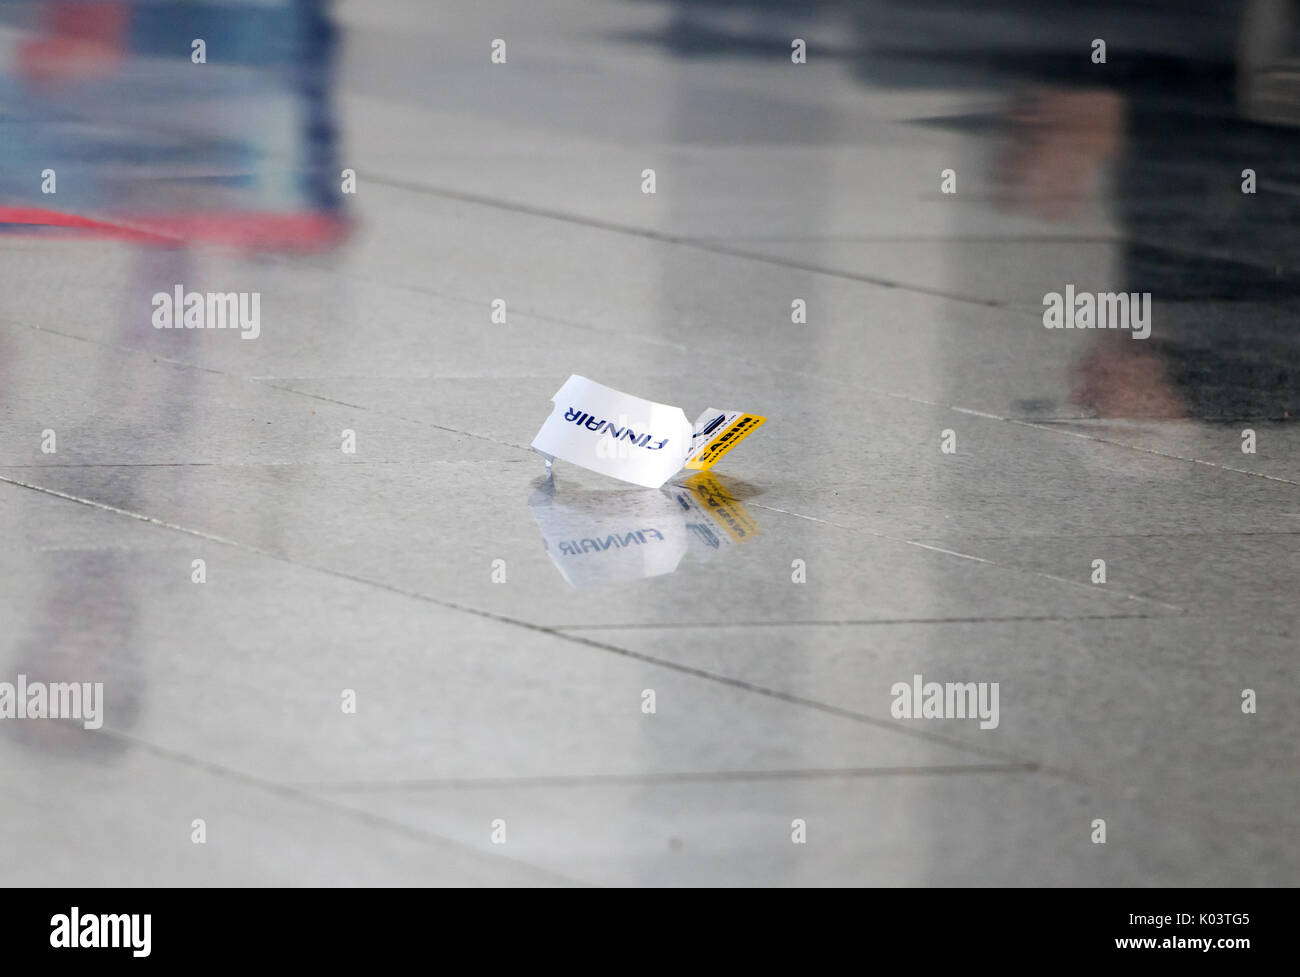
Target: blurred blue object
198, 122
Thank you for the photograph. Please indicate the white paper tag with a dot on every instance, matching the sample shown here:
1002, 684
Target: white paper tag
615, 433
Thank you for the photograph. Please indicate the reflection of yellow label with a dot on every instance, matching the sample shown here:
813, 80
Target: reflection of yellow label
726, 511
735, 432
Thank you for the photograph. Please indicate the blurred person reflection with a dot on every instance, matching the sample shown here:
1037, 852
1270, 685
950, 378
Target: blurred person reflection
175, 158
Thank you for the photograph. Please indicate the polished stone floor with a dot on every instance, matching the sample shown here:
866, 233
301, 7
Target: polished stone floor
385, 671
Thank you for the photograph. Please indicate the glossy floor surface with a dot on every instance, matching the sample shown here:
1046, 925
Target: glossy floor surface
386, 670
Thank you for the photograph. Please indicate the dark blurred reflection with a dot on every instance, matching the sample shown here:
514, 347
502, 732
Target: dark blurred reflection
105, 104
112, 130
1192, 93
598, 537
85, 630
1188, 99
1152, 143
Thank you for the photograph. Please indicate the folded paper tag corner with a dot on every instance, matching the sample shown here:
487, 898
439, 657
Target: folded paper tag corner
633, 439
716, 433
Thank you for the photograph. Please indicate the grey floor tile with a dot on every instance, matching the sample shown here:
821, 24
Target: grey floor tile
1275, 453
401, 535
1169, 689
255, 667
118, 814
500, 664
976, 829
1239, 577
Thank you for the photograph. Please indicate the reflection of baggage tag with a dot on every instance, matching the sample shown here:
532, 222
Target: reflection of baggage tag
706, 537
715, 519
611, 536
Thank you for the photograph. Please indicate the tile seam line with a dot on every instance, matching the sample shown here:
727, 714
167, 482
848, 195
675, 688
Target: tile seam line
915, 542
121, 349
322, 398
305, 796
667, 777
1047, 428
741, 685
894, 621
355, 462
1032, 538
219, 539
1032, 768
663, 237
1150, 451
1011, 239
875, 391
300, 262
255, 381
713, 245
876, 533
912, 239
1040, 426
967, 556
1044, 428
